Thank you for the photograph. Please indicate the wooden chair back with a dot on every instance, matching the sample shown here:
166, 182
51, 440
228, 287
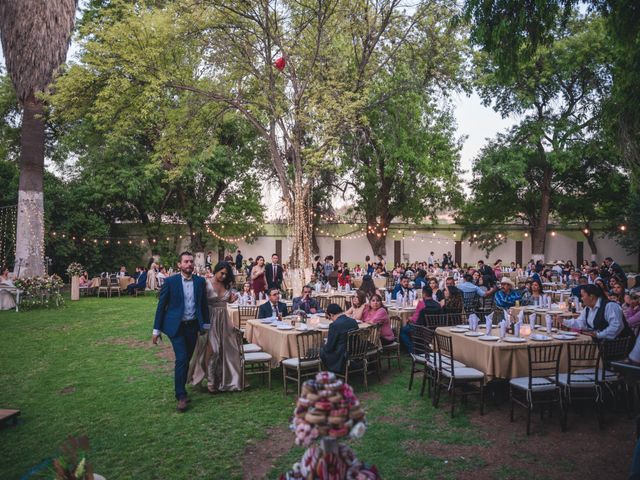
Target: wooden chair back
309, 345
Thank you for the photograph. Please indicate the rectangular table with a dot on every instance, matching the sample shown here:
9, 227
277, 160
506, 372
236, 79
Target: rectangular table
500, 359
280, 344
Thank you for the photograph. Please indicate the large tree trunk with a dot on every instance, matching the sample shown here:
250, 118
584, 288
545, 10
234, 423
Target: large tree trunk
30, 227
539, 232
592, 244
302, 223
378, 244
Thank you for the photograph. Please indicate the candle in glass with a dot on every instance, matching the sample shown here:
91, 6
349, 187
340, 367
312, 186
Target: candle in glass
525, 330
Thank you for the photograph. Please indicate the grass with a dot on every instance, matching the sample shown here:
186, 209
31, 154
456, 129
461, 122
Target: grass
89, 369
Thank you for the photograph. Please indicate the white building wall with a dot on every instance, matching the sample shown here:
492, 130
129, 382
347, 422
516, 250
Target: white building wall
562, 246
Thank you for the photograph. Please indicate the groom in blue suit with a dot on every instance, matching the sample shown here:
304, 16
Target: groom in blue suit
182, 311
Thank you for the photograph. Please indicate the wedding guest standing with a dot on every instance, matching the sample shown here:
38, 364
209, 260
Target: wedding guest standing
258, 280
219, 362
273, 273
181, 313
239, 259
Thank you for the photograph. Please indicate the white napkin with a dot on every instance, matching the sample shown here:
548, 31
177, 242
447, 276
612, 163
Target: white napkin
516, 328
561, 297
387, 297
318, 286
503, 329
489, 324
399, 299
473, 322
521, 316
507, 315
348, 287
532, 321
261, 295
490, 317
549, 321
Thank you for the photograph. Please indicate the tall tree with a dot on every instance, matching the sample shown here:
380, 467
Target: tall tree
298, 72
558, 93
35, 37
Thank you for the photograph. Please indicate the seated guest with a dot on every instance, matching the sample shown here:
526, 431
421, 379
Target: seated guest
601, 283
533, 295
314, 281
84, 279
334, 353
368, 287
123, 271
343, 278
506, 297
306, 302
425, 306
246, 296
576, 291
421, 279
467, 286
402, 288
617, 293
600, 318
631, 309
358, 302
7, 294
429, 306
141, 282
636, 284
436, 293
274, 307
453, 300
375, 313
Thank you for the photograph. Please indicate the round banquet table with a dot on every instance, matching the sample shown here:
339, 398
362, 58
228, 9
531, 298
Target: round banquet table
380, 282
541, 313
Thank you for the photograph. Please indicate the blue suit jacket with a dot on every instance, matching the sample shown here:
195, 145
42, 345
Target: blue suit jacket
265, 310
171, 304
141, 281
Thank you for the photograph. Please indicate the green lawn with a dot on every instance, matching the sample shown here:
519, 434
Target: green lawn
89, 369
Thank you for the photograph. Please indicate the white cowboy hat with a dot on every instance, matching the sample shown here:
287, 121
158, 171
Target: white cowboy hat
506, 280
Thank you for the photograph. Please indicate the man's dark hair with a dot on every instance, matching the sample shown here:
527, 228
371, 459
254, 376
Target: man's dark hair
426, 290
467, 277
609, 259
333, 309
271, 290
275, 255
592, 289
182, 254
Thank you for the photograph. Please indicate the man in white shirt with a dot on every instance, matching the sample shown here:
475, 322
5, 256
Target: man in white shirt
431, 260
600, 318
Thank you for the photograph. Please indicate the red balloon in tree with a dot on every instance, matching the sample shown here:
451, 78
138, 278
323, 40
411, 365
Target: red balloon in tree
280, 63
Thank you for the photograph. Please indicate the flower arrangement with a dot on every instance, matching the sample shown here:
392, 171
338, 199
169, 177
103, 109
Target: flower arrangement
75, 269
40, 291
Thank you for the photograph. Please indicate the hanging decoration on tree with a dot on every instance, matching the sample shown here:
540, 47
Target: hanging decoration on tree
280, 63
8, 218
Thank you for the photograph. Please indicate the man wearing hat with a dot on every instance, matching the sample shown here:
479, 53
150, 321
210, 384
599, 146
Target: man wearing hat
507, 297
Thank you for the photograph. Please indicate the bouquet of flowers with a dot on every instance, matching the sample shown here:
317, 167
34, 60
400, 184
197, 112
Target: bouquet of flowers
75, 269
73, 464
40, 291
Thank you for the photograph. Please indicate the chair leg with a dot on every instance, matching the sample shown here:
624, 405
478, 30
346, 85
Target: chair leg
529, 407
366, 374
452, 398
513, 404
284, 379
269, 375
482, 397
299, 381
413, 371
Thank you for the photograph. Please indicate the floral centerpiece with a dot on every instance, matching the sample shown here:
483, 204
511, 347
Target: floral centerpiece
328, 411
75, 269
40, 291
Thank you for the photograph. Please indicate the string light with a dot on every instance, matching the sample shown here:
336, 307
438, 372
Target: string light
623, 228
241, 238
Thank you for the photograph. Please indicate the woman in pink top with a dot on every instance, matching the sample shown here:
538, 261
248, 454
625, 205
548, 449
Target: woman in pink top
631, 309
375, 313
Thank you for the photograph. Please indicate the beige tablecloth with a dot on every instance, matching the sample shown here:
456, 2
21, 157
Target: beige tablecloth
378, 282
404, 313
123, 282
500, 359
280, 344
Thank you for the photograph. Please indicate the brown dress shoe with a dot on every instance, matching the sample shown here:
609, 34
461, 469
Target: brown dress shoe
182, 405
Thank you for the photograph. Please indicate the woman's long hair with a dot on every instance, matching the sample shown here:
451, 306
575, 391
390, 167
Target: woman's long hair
455, 302
230, 278
368, 287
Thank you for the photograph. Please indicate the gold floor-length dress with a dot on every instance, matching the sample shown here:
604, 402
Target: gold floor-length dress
217, 357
